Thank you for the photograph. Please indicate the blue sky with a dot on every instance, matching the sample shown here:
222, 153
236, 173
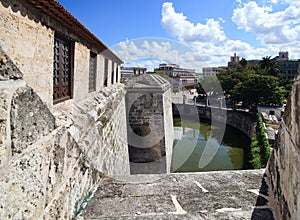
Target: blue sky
191, 33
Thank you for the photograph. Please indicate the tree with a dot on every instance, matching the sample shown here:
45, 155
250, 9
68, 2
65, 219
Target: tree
243, 63
259, 90
269, 67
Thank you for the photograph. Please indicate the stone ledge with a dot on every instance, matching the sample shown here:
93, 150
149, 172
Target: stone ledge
207, 195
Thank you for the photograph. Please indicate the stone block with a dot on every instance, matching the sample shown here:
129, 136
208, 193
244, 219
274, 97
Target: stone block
8, 70
30, 119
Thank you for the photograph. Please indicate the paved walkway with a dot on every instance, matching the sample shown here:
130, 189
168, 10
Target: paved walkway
210, 195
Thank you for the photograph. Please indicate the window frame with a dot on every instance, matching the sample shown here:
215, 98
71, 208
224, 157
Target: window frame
70, 45
92, 71
106, 63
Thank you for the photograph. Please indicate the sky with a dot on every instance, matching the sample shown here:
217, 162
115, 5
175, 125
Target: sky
191, 33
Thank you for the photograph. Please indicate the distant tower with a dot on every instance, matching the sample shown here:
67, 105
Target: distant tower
283, 56
235, 60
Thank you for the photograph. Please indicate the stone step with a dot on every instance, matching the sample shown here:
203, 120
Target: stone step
205, 195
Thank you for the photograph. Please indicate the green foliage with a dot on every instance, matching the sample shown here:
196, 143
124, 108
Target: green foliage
259, 90
263, 142
259, 84
260, 148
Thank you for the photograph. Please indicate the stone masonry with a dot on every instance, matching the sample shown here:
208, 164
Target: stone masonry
284, 164
52, 161
150, 139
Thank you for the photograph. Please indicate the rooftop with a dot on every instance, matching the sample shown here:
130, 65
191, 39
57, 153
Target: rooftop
207, 195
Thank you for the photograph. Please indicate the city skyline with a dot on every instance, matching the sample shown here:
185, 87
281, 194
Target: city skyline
193, 34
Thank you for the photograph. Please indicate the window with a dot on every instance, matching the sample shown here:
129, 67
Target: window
112, 73
92, 71
117, 74
105, 71
62, 70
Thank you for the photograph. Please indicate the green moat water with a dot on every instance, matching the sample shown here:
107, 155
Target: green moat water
196, 149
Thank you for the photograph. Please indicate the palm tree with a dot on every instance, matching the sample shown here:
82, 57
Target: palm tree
269, 66
243, 63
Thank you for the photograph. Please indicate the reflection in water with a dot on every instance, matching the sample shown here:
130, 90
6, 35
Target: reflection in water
190, 139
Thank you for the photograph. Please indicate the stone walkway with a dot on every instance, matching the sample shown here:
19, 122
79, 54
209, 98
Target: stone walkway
210, 195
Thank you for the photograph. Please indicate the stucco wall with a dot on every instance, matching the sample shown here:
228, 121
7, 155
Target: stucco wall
284, 164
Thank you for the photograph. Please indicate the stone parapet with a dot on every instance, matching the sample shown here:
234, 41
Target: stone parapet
284, 164
52, 161
149, 122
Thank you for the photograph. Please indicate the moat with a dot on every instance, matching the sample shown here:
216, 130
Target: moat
191, 144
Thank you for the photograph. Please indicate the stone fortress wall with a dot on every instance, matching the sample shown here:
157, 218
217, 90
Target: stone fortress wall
50, 163
53, 156
49, 160
284, 164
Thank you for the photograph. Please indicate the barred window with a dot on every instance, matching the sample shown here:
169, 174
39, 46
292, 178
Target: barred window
105, 72
117, 74
112, 73
92, 71
62, 70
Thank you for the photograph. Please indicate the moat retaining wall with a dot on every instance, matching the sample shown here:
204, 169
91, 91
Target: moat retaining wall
52, 161
284, 164
238, 120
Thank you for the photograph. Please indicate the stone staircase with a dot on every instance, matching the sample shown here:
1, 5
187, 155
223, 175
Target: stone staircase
207, 195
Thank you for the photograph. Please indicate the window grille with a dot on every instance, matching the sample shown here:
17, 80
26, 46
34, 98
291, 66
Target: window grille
92, 72
105, 72
112, 73
62, 70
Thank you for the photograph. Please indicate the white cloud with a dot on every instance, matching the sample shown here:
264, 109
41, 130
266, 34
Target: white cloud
204, 45
270, 28
178, 25
150, 52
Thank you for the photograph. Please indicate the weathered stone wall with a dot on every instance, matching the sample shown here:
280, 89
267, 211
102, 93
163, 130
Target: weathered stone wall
284, 164
51, 164
27, 36
149, 122
168, 128
237, 120
99, 127
29, 44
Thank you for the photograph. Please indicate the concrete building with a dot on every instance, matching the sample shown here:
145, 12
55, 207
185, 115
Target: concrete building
212, 71
180, 77
287, 67
128, 72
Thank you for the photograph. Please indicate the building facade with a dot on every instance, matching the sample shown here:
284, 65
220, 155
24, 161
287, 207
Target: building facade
287, 67
180, 78
60, 59
128, 72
